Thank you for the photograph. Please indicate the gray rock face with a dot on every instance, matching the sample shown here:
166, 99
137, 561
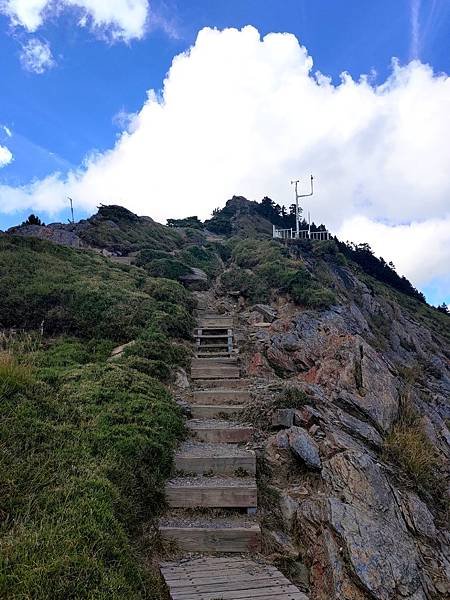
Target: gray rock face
196, 279
57, 233
364, 532
304, 448
268, 313
283, 417
382, 557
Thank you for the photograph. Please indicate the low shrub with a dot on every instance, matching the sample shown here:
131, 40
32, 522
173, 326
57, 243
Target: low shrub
14, 377
291, 397
272, 271
312, 296
146, 255
170, 268
409, 447
249, 284
202, 257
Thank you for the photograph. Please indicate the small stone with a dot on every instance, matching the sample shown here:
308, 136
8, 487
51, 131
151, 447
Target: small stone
282, 440
306, 416
266, 311
181, 378
283, 417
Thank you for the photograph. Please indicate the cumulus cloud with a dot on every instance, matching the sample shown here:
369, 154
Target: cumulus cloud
5, 156
36, 56
243, 115
420, 249
123, 19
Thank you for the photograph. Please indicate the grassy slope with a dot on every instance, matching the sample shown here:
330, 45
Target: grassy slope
85, 444
117, 229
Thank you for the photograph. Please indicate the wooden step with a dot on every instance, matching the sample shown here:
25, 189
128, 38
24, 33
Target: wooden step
215, 373
212, 492
224, 384
225, 459
238, 535
219, 431
202, 354
227, 578
220, 396
206, 336
215, 323
226, 361
203, 346
211, 411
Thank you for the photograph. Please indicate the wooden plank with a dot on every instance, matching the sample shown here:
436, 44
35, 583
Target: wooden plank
199, 411
203, 539
228, 585
230, 384
233, 435
220, 573
233, 396
218, 322
215, 373
237, 594
220, 353
225, 361
227, 465
209, 561
185, 496
223, 573
212, 336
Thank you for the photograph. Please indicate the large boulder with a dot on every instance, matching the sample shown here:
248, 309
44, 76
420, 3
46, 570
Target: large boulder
196, 279
304, 448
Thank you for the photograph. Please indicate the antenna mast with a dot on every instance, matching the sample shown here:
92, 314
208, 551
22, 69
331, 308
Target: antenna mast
71, 209
297, 207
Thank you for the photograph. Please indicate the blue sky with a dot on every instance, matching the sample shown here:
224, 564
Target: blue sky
73, 108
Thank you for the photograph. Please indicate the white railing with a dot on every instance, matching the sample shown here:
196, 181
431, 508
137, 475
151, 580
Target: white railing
303, 234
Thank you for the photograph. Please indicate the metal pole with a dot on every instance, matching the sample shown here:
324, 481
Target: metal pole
71, 208
297, 210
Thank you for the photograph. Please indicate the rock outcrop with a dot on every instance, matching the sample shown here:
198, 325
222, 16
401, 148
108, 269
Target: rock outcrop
363, 526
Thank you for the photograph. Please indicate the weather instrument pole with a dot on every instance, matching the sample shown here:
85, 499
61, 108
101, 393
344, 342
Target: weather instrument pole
297, 207
71, 208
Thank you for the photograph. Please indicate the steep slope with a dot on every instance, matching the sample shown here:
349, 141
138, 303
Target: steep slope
87, 441
356, 391
348, 369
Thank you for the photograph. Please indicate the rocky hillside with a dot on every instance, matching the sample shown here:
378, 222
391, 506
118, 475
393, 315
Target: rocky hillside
351, 398
351, 385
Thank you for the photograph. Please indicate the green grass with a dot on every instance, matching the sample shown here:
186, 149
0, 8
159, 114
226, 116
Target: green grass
261, 269
85, 444
82, 469
408, 446
79, 293
119, 230
291, 397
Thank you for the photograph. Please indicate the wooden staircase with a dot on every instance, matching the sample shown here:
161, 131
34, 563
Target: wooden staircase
214, 470
216, 478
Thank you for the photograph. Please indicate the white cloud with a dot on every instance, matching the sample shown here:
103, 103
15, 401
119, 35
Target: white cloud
122, 19
7, 130
5, 156
419, 248
36, 56
241, 115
